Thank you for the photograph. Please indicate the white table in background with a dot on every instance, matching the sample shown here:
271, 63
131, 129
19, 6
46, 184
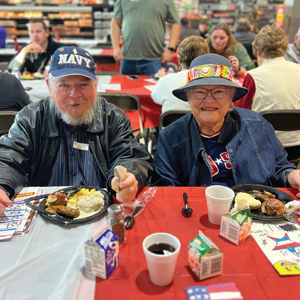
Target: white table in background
47, 262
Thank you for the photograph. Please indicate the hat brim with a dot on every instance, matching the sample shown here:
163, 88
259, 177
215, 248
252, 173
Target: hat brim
240, 92
72, 71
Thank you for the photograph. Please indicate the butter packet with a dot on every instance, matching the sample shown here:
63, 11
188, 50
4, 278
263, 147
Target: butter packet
204, 258
102, 253
236, 225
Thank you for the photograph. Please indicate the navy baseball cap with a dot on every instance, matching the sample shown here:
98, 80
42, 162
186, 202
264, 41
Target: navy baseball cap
72, 61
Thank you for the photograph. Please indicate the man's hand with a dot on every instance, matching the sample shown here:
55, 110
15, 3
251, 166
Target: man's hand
294, 180
167, 56
118, 54
234, 63
128, 188
4, 201
33, 47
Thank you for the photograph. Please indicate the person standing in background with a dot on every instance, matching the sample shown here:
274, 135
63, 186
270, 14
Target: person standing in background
186, 29
142, 24
202, 28
292, 53
35, 56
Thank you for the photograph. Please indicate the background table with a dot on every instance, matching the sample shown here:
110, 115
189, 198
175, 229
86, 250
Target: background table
150, 110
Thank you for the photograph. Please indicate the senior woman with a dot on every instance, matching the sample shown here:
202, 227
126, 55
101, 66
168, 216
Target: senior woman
221, 41
216, 143
275, 84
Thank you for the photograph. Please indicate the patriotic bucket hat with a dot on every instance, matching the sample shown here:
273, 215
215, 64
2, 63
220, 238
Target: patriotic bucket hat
210, 69
72, 61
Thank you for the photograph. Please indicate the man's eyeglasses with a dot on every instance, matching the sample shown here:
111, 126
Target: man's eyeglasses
217, 93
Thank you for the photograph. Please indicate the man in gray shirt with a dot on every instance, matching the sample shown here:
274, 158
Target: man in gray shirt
142, 23
292, 53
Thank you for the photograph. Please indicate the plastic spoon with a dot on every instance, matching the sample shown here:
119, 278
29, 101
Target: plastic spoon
129, 220
186, 211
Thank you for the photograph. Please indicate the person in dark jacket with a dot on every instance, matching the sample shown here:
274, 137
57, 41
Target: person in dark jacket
35, 56
13, 94
186, 30
72, 137
216, 143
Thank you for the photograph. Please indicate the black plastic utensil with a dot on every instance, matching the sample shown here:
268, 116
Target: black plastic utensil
129, 220
186, 211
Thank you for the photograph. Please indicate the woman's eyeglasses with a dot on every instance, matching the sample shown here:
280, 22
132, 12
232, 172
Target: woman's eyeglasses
217, 93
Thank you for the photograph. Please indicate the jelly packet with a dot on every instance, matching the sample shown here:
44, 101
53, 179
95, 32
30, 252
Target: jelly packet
293, 212
141, 201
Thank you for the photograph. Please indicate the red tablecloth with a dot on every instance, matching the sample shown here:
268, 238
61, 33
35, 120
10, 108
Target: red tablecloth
150, 110
246, 265
112, 67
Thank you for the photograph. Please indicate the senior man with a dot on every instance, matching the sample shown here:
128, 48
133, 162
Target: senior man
72, 137
35, 56
292, 53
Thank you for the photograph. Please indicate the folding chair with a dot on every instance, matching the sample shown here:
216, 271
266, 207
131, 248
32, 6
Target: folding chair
169, 117
126, 102
284, 120
101, 60
3, 65
171, 65
107, 73
7, 119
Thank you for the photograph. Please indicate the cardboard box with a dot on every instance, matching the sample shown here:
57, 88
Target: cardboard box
236, 225
204, 258
102, 253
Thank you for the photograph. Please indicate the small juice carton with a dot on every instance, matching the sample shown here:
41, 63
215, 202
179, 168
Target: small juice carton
236, 225
102, 253
204, 258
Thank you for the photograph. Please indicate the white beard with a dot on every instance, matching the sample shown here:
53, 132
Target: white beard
85, 119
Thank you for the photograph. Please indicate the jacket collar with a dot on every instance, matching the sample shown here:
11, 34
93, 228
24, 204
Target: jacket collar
50, 121
229, 129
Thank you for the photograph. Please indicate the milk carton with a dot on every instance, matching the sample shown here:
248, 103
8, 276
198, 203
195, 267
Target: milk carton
102, 253
204, 258
236, 225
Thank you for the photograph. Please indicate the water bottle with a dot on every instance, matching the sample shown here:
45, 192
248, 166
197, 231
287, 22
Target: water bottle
16, 72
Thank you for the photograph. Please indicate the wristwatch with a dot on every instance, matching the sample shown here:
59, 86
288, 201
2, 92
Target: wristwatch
172, 49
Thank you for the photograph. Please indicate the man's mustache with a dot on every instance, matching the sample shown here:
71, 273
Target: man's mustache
75, 103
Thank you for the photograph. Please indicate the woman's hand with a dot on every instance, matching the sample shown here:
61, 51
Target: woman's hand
234, 63
293, 179
128, 188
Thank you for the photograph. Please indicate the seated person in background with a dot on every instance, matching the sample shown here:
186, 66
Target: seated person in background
244, 35
221, 41
72, 137
275, 84
202, 28
216, 143
186, 30
13, 94
34, 57
188, 49
292, 52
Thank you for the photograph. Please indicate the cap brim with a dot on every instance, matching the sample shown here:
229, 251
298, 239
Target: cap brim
72, 71
240, 92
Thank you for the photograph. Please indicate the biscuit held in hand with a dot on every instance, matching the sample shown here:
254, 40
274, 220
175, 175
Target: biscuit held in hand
120, 172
